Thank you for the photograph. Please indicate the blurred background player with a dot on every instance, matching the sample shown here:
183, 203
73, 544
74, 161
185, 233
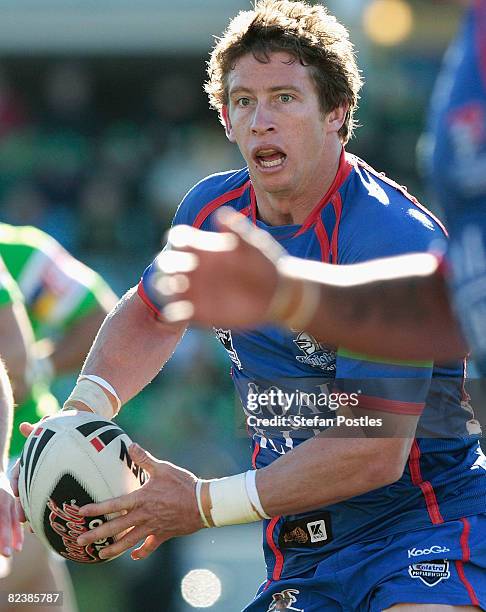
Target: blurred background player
12, 344
66, 302
10, 529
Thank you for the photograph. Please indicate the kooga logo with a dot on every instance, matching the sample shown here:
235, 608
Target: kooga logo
433, 550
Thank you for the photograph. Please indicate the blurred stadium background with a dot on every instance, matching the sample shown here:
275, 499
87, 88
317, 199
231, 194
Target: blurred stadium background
103, 127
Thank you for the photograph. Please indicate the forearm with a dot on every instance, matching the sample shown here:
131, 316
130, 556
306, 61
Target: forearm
324, 471
6, 416
69, 352
131, 347
399, 310
17, 341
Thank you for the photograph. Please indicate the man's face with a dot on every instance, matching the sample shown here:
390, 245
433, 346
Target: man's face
275, 118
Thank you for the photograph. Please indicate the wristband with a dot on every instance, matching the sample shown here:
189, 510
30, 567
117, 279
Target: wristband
106, 385
91, 395
226, 501
251, 489
295, 300
199, 504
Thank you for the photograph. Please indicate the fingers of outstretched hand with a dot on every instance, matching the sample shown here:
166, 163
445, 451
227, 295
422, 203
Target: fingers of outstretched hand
230, 221
189, 239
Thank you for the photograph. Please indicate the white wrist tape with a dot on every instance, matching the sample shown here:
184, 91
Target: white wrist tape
106, 385
91, 395
226, 501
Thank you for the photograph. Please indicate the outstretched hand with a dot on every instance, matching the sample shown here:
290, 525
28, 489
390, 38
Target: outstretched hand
164, 507
224, 279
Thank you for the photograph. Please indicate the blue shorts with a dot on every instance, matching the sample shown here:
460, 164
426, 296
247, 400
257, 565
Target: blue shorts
443, 564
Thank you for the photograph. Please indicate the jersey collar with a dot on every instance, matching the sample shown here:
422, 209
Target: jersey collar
344, 170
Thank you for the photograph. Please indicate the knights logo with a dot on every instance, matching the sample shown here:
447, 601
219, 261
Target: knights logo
226, 339
284, 600
297, 535
430, 572
314, 353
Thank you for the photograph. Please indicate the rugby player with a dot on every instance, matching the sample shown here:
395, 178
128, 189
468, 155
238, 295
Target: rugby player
382, 523
415, 307
66, 303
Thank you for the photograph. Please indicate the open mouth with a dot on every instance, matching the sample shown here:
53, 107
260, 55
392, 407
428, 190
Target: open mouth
270, 158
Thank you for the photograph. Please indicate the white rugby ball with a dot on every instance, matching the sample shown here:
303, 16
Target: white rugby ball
70, 460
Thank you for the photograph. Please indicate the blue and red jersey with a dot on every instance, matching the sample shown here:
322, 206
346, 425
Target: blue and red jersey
457, 131
363, 216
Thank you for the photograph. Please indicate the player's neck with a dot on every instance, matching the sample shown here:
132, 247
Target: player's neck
293, 207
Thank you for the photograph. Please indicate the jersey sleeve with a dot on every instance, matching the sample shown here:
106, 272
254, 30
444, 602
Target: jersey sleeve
58, 289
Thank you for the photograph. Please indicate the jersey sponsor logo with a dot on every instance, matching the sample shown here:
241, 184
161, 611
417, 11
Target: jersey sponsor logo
314, 353
306, 533
317, 530
226, 339
297, 535
433, 550
284, 600
431, 572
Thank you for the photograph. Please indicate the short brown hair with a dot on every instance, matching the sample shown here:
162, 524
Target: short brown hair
309, 33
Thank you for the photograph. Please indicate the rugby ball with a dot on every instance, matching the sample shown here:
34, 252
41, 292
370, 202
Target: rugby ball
69, 460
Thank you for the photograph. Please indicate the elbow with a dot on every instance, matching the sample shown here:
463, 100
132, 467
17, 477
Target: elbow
386, 469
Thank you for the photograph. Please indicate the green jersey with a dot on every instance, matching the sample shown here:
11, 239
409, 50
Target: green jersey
57, 290
9, 291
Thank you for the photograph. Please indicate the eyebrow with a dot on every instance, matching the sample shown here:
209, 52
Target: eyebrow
241, 89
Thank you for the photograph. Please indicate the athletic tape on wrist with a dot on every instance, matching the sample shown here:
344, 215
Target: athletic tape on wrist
105, 384
91, 395
282, 298
297, 299
307, 307
226, 501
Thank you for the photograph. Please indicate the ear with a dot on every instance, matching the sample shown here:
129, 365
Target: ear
227, 124
337, 117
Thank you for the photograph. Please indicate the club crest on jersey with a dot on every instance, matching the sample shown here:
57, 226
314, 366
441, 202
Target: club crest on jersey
284, 600
314, 353
226, 339
430, 572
